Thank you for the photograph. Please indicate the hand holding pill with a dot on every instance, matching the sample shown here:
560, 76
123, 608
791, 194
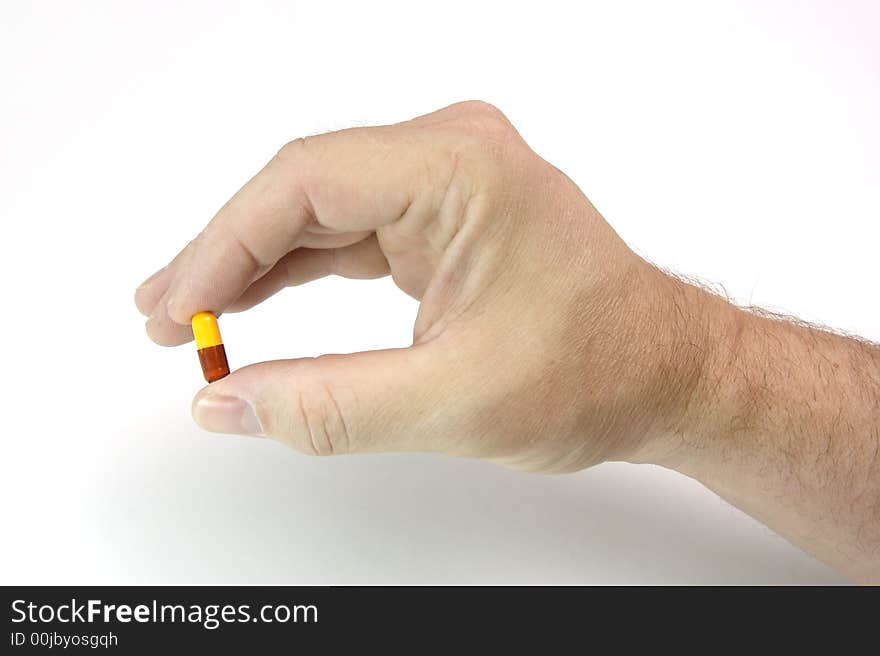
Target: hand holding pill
542, 341
511, 264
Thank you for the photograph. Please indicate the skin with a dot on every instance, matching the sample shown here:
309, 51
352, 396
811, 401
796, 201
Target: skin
542, 343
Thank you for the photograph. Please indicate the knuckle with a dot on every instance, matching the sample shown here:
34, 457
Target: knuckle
293, 150
486, 120
483, 108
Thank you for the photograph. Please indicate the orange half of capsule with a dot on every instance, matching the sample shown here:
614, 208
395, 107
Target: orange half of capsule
212, 354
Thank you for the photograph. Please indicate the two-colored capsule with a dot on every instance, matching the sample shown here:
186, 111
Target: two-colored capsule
212, 355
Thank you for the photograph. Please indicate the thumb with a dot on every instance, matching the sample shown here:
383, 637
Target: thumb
372, 401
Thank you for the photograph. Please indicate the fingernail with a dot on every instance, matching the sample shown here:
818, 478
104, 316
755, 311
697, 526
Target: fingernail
151, 278
227, 414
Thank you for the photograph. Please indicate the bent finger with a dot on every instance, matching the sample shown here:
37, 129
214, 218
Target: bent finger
362, 260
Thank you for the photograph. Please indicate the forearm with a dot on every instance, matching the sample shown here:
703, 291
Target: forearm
785, 424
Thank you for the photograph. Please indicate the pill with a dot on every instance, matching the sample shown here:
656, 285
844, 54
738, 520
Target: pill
212, 354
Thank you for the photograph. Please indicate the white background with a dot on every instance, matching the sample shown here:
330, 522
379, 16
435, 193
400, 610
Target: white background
735, 141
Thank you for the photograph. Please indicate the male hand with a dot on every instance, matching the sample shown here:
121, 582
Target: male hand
542, 342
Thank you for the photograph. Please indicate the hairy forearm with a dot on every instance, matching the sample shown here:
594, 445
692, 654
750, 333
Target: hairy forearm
785, 424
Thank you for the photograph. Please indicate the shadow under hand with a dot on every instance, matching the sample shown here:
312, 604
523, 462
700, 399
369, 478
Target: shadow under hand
195, 508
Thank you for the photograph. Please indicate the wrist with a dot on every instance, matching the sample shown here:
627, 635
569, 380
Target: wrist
693, 337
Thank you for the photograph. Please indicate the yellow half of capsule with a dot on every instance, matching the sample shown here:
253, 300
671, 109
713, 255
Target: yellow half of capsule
205, 330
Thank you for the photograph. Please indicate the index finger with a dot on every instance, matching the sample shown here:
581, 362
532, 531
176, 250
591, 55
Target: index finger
346, 181
256, 228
